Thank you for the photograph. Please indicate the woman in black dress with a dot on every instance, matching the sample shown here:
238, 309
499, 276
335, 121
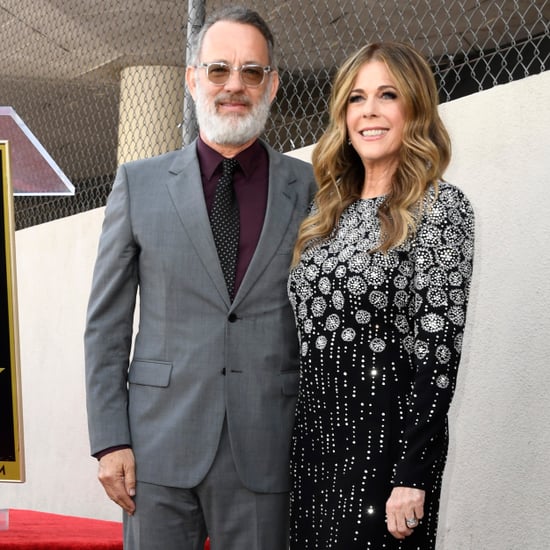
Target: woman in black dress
379, 288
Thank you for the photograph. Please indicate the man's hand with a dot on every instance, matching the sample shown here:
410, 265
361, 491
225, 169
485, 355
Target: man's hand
117, 474
404, 503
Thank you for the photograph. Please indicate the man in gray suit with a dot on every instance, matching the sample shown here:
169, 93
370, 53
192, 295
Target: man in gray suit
193, 431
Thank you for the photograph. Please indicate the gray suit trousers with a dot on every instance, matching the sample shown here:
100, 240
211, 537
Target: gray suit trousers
235, 518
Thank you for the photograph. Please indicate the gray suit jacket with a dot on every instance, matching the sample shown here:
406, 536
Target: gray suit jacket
196, 357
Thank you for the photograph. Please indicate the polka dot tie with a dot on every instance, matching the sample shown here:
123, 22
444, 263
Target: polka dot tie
224, 220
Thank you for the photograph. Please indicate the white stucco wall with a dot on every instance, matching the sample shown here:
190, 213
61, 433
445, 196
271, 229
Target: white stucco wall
496, 493
54, 271
497, 484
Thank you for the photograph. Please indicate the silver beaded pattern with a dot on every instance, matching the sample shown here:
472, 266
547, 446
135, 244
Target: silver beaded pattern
380, 341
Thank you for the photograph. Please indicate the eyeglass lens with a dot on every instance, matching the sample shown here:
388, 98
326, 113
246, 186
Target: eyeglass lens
251, 75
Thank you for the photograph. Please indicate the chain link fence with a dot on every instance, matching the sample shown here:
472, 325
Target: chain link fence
63, 60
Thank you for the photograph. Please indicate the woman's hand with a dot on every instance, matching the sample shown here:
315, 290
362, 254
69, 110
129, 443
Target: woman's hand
405, 503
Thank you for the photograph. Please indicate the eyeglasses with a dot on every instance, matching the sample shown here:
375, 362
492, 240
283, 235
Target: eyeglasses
251, 75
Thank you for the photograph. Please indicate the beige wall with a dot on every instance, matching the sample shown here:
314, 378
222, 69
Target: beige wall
496, 493
497, 484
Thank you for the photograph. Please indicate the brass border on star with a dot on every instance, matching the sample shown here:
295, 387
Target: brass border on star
12, 466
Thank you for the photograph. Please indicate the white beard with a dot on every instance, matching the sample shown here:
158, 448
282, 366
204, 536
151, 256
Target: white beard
230, 129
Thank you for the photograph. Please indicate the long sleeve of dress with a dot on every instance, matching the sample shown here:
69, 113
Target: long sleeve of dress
442, 255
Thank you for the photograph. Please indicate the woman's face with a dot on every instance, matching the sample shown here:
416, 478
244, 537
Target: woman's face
375, 116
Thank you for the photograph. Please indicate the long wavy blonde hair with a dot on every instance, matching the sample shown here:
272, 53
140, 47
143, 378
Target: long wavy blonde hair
424, 154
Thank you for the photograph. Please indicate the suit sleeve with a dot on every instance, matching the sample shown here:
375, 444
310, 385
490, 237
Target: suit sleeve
442, 254
109, 323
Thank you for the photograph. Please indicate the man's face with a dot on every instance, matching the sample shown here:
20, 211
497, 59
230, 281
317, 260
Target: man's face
232, 114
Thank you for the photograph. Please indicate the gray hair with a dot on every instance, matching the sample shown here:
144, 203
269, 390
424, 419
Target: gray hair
236, 14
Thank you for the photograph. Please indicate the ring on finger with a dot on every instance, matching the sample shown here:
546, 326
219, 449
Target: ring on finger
411, 522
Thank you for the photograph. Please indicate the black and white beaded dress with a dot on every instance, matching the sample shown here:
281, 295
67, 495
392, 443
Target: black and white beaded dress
380, 338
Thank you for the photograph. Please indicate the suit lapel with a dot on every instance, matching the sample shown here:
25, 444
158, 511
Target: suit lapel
185, 189
280, 207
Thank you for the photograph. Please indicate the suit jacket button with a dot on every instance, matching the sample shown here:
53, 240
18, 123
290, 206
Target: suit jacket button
232, 318
223, 371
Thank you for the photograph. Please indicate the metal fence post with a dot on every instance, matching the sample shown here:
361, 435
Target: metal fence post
196, 11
